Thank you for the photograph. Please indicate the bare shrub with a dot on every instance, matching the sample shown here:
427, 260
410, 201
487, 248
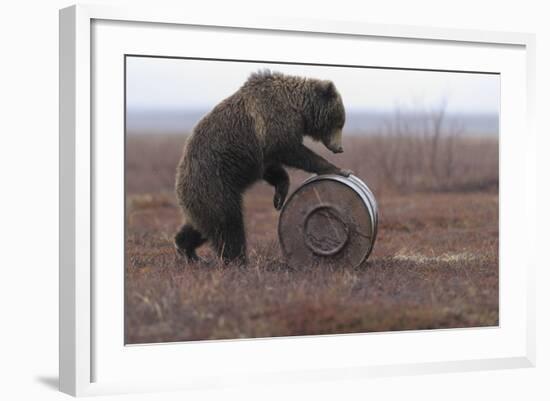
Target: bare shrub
427, 152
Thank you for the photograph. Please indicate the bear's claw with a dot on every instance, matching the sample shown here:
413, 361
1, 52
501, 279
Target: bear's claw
280, 196
345, 172
278, 201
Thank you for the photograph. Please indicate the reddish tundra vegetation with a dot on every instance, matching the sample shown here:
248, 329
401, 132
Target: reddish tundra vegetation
434, 265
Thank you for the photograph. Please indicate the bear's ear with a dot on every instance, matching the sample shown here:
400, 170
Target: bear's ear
327, 89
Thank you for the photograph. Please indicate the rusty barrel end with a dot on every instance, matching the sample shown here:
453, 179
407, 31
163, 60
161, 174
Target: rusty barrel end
328, 220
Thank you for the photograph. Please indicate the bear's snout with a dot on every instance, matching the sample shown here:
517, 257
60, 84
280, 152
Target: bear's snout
335, 148
334, 143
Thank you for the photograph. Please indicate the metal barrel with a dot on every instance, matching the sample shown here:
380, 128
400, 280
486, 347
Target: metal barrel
328, 220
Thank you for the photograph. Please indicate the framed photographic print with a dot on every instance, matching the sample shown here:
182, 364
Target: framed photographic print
273, 200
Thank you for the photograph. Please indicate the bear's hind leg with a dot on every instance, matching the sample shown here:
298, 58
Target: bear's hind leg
187, 240
230, 239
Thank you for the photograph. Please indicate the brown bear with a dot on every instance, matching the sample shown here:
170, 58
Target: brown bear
250, 136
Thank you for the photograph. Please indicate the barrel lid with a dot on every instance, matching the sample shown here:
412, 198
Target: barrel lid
328, 220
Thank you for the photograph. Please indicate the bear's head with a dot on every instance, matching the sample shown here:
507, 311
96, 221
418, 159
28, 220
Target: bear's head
326, 116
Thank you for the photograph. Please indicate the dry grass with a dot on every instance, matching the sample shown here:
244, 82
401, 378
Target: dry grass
435, 263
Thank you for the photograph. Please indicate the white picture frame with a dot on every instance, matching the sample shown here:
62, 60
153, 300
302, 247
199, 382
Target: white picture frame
83, 344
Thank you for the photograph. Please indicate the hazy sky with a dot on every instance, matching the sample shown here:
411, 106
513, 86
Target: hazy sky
160, 83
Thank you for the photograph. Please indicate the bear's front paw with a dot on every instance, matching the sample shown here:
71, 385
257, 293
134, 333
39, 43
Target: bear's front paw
278, 201
344, 172
280, 196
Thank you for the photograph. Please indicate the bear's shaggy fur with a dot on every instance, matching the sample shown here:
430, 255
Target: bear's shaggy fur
250, 136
